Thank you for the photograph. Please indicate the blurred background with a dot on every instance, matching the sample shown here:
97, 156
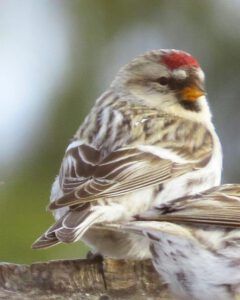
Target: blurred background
57, 56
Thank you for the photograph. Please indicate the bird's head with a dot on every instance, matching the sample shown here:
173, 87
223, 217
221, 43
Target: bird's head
170, 80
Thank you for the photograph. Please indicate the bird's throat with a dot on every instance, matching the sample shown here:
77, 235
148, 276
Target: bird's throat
192, 106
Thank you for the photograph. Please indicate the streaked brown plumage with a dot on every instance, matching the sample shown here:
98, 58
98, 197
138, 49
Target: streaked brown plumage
147, 140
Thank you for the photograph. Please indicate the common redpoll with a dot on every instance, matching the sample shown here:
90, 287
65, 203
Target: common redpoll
195, 243
147, 140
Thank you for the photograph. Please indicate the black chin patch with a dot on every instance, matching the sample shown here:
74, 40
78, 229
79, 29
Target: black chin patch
192, 106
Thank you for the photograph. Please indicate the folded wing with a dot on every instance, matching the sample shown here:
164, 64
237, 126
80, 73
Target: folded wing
217, 206
85, 177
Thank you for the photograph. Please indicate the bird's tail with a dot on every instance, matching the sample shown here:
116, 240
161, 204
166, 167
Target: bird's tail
69, 228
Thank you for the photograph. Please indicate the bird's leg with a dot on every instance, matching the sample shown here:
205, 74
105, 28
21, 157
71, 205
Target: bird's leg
98, 258
94, 256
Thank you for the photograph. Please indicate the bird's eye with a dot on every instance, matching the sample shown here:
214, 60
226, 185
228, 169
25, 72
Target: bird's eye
163, 80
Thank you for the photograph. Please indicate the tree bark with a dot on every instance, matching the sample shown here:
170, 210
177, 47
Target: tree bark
82, 279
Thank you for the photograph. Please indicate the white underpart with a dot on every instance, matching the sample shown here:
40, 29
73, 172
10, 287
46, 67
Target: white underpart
191, 270
122, 209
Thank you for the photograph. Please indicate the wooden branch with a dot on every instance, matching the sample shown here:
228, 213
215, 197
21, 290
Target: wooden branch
82, 279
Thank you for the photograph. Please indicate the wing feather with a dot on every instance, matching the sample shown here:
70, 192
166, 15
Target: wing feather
217, 206
123, 171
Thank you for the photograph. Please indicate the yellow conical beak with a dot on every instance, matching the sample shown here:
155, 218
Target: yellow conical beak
191, 93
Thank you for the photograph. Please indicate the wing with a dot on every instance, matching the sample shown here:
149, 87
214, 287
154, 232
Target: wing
84, 177
66, 230
217, 206
90, 172
151, 229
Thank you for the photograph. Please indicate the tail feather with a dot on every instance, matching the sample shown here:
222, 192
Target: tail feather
69, 228
75, 217
45, 242
72, 234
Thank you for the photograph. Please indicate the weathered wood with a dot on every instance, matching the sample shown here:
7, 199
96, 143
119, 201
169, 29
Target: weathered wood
82, 279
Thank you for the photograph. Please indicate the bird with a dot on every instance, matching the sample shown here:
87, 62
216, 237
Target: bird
148, 139
195, 243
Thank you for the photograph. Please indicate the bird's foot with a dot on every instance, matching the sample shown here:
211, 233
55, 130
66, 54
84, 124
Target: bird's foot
99, 259
94, 256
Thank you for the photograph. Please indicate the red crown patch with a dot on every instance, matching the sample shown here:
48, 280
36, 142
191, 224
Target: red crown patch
175, 59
